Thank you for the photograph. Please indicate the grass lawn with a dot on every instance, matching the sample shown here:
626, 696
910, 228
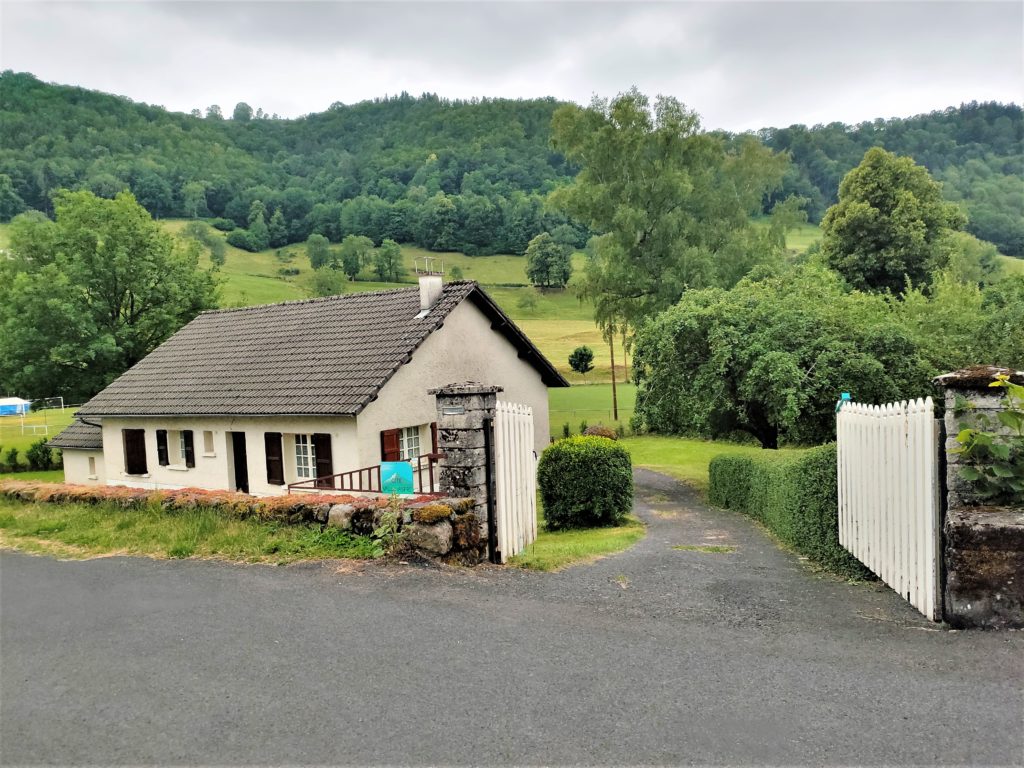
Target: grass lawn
38, 424
52, 476
80, 530
554, 550
683, 458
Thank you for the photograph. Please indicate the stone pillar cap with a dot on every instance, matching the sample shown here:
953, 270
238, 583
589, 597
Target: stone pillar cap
976, 377
466, 388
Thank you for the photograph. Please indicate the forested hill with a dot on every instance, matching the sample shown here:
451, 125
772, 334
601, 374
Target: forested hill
448, 175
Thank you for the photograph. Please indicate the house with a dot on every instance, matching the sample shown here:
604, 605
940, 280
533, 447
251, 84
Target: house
256, 398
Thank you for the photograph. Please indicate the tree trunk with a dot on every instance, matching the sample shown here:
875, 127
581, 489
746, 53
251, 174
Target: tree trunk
615, 397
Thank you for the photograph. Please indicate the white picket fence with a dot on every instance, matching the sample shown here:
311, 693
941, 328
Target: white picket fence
889, 505
515, 478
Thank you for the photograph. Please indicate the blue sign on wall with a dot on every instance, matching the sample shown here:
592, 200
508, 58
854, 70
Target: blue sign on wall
396, 477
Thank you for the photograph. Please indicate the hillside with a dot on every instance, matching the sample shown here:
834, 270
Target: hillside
466, 176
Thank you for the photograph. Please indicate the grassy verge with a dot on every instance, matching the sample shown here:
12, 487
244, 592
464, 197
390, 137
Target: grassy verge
79, 530
51, 476
555, 550
591, 403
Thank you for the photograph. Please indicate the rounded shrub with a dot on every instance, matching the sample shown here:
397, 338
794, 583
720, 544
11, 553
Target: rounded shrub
585, 482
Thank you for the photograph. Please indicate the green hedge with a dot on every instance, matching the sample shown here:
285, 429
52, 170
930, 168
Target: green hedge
794, 494
585, 482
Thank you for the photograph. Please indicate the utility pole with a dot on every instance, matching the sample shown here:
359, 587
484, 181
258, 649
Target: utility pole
615, 397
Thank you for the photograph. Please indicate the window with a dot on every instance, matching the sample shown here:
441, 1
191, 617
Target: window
409, 443
305, 457
181, 448
208, 444
92, 467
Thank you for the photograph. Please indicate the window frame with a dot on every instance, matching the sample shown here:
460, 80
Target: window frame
407, 438
305, 449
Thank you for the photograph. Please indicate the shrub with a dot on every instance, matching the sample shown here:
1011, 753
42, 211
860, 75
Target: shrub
240, 238
288, 271
39, 457
583, 426
224, 225
566, 431
11, 460
794, 494
585, 482
600, 430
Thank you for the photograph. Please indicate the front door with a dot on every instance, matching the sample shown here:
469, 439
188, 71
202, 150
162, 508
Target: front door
241, 461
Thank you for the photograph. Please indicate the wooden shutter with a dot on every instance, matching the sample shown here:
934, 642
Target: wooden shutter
390, 446
190, 448
275, 457
161, 448
134, 451
433, 437
324, 461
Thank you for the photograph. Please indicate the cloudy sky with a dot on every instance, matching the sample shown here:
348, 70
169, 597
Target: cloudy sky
740, 64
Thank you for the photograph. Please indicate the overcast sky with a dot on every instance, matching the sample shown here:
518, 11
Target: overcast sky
741, 65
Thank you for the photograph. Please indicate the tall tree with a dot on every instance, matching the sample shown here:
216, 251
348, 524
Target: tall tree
387, 262
277, 229
318, 250
547, 263
242, 113
890, 225
356, 252
669, 201
89, 295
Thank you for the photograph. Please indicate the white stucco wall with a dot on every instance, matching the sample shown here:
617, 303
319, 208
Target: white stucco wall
465, 348
214, 471
77, 470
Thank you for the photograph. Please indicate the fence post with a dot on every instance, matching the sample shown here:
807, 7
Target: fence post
465, 413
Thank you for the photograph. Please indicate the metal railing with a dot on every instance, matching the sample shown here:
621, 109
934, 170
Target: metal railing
368, 479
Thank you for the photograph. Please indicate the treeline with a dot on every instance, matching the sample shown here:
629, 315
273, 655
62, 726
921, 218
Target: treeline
976, 150
445, 175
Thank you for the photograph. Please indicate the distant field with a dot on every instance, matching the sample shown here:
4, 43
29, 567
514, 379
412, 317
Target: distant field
37, 425
1012, 265
591, 403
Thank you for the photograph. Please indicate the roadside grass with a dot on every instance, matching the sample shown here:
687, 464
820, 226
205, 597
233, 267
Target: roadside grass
79, 530
52, 420
683, 458
555, 550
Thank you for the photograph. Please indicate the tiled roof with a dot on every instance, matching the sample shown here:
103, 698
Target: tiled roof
79, 435
320, 356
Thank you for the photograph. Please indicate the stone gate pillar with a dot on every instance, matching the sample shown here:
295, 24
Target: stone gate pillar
464, 411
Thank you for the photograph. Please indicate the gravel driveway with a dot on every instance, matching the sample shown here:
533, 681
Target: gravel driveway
656, 655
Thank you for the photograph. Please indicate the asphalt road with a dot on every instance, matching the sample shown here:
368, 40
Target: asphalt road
653, 656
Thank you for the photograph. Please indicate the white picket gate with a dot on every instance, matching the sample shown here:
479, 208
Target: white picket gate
889, 505
515, 478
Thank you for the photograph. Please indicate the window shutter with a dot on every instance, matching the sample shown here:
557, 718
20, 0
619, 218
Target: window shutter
324, 461
134, 451
161, 448
390, 448
190, 448
275, 457
433, 437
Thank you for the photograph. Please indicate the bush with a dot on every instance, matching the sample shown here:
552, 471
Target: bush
11, 460
39, 457
794, 494
585, 482
224, 225
600, 430
240, 238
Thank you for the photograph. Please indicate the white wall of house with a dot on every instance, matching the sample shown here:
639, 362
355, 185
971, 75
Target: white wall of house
465, 348
214, 469
83, 467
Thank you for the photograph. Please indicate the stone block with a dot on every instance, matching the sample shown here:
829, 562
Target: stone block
984, 561
434, 539
321, 512
340, 516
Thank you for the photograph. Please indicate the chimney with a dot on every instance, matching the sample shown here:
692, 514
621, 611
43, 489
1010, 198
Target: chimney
431, 276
